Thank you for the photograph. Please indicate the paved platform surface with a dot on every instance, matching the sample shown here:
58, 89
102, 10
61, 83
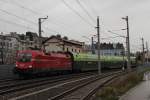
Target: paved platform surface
140, 92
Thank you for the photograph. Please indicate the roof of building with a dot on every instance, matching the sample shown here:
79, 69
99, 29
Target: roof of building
65, 40
104, 46
31, 34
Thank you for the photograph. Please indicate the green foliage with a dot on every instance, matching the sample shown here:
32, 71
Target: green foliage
119, 86
128, 82
110, 92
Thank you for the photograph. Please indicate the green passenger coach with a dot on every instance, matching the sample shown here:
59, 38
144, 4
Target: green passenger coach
87, 62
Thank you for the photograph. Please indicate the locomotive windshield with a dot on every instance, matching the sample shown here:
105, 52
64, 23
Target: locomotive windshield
24, 57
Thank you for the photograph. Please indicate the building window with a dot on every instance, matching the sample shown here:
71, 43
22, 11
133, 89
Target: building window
75, 50
67, 49
63, 49
10, 44
72, 50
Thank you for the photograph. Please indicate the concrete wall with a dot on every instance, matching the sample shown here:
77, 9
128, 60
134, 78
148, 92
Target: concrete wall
6, 71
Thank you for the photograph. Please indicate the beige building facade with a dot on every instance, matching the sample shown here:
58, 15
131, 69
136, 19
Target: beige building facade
55, 44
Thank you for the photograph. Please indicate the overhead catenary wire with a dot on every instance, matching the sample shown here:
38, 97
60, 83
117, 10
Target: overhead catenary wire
32, 11
28, 9
21, 6
24, 19
111, 31
91, 7
135, 46
72, 9
103, 38
117, 34
13, 23
85, 10
111, 37
123, 36
15, 3
9, 13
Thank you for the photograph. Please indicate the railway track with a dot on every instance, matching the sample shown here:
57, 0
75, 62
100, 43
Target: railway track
58, 90
84, 90
21, 81
7, 80
13, 86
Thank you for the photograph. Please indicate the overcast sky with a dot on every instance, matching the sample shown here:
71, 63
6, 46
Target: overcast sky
67, 17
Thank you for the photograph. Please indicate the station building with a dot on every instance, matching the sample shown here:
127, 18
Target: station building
56, 43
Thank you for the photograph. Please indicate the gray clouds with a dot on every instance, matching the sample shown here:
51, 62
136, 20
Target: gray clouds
66, 22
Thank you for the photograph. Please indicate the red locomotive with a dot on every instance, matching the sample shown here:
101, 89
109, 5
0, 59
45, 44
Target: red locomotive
33, 62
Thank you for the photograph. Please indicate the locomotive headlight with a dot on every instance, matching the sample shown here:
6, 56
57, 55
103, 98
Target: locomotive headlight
16, 65
30, 66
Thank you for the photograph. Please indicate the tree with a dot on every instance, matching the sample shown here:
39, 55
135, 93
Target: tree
58, 35
65, 37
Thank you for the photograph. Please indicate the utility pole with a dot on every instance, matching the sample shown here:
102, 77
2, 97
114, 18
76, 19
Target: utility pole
147, 51
2, 49
98, 38
123, 54
92, 44
143, 56
40, 31
128, 44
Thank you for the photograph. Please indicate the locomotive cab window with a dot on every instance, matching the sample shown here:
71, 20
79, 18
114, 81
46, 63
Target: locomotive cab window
24, 57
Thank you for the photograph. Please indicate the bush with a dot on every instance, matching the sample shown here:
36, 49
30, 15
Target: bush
119, 86
128, 82
110, 92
